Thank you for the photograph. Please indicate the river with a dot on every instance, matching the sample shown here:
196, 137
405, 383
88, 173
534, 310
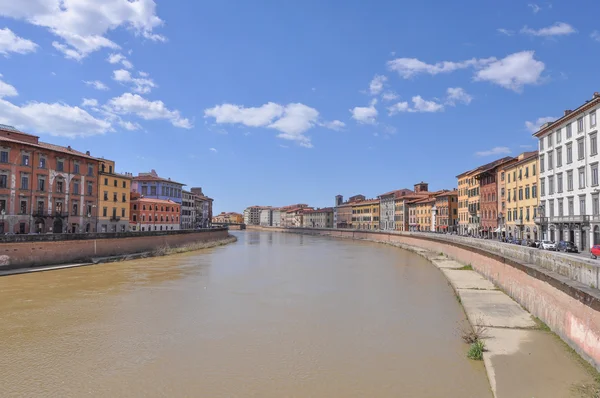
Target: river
272, 315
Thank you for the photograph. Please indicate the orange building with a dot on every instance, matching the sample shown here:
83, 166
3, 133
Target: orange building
148, 214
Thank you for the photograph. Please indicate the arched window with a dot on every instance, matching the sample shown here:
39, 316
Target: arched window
143, 217
135, 218
177, 218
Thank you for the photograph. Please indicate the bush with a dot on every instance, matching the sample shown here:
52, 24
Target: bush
476, 350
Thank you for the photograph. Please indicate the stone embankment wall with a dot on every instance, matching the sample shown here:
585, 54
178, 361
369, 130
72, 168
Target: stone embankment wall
560, 290
37, 250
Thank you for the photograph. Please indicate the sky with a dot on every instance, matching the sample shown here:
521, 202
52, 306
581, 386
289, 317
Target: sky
275, 103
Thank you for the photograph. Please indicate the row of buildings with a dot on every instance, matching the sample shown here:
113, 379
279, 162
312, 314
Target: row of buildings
47, 188
552, 193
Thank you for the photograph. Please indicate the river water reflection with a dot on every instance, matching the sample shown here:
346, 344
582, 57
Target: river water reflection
273, 315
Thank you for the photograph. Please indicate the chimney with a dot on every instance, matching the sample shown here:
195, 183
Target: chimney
87, 153
69, 147
567, 111
596, 94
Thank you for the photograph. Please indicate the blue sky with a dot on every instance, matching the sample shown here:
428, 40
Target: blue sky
275, 102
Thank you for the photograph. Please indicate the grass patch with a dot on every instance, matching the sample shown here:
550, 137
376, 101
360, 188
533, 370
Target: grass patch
466, 268
541, 325
476, 350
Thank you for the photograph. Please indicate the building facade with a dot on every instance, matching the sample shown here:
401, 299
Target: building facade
489, 196
204, 211
294, 218
365, 214
252, 215
188, 210
151, 185
113, 203
446, 211
266, 217
568, 177
342, 212
318, 218
423, 211
520, 197
44, 187
387, 218
149, 214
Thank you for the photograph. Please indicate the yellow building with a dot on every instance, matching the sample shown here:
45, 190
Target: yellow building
365, 214
521, 196
113, 201
464, 185
423, 213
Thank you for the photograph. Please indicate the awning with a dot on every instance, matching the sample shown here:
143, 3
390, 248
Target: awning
497, 230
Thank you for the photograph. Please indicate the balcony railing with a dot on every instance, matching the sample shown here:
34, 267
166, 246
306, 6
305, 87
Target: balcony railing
563, 219
115, 218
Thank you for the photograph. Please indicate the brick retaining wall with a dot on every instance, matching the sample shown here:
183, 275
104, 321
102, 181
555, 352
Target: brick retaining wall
73, 248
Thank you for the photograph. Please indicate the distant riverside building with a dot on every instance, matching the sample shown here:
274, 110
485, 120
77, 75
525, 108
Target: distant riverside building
150, 214
45, 187
228, 218
446, 211
518, 197
276, 216
252, 215
204, 205
266, 217
188, 210
365, 214
318, 218
387, 218
568, 154
151, 185
342, 212
294, 217
114, 191
402, 206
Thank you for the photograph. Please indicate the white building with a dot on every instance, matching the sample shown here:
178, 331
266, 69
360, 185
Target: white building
276, 218
252, 215
188, 210
266, 217
319, 218
387, 208
568, 180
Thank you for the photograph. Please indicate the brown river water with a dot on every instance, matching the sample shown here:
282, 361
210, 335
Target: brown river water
273, 315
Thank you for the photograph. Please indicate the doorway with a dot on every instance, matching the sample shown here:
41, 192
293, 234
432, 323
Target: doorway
57, 227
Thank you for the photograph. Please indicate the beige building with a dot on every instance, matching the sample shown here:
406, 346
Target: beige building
318, 218
365, 214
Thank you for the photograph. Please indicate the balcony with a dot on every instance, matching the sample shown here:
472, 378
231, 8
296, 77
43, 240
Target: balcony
115, 218
565, 219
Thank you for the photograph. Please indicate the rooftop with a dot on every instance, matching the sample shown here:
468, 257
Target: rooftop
51, 147
569, 114
153, 176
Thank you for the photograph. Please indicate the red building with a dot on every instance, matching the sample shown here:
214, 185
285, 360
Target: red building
148, 214
45, 187
489, 195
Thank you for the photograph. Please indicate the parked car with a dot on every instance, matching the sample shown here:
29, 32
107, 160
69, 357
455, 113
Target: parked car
595, 251
566, 247
548, 245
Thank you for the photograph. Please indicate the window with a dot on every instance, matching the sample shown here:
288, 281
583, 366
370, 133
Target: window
75, 209
580, 125
580, 149
90, 188
569, 153
534, 191
110, 169
114, 196
76, 187
542, 166
550, 161
593, 144
153, 190
526, 192
106, 181
569, 131
60, 165
581, 172
542, 186
570, 180
560, 207
89, 210
541, 144
23, 207
551, 185
502, 176
90, 170
124, 184
105, 195
558, 136
593, 118
3, 156
144, 207
521, 192
594, 170
134, 207
3, 180
59, 186
25, 160
559, 182
571, 206
559, 157
595, 205
533, 167
124, 198
144, 190
551, 207
104, 211
122, 212
549, 140
115, 183
76, 168
42, 163
134, 218
24, 182
582, 205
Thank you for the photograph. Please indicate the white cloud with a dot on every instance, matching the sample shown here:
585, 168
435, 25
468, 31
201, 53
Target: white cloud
97, 84
595, 35
129, 125
251, 117
389, 96
56, 119
365, 115
89, 102
409, 67
399, 107
534, 7
115, 58
499, 150
143, 74
526, 146
336, 125
376, 85
83, 24
421, 105
558, 29
296, 120
11, 43
457, 94
513, 71
533, 127
213, 150
506, 32
142, 85
149, 110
